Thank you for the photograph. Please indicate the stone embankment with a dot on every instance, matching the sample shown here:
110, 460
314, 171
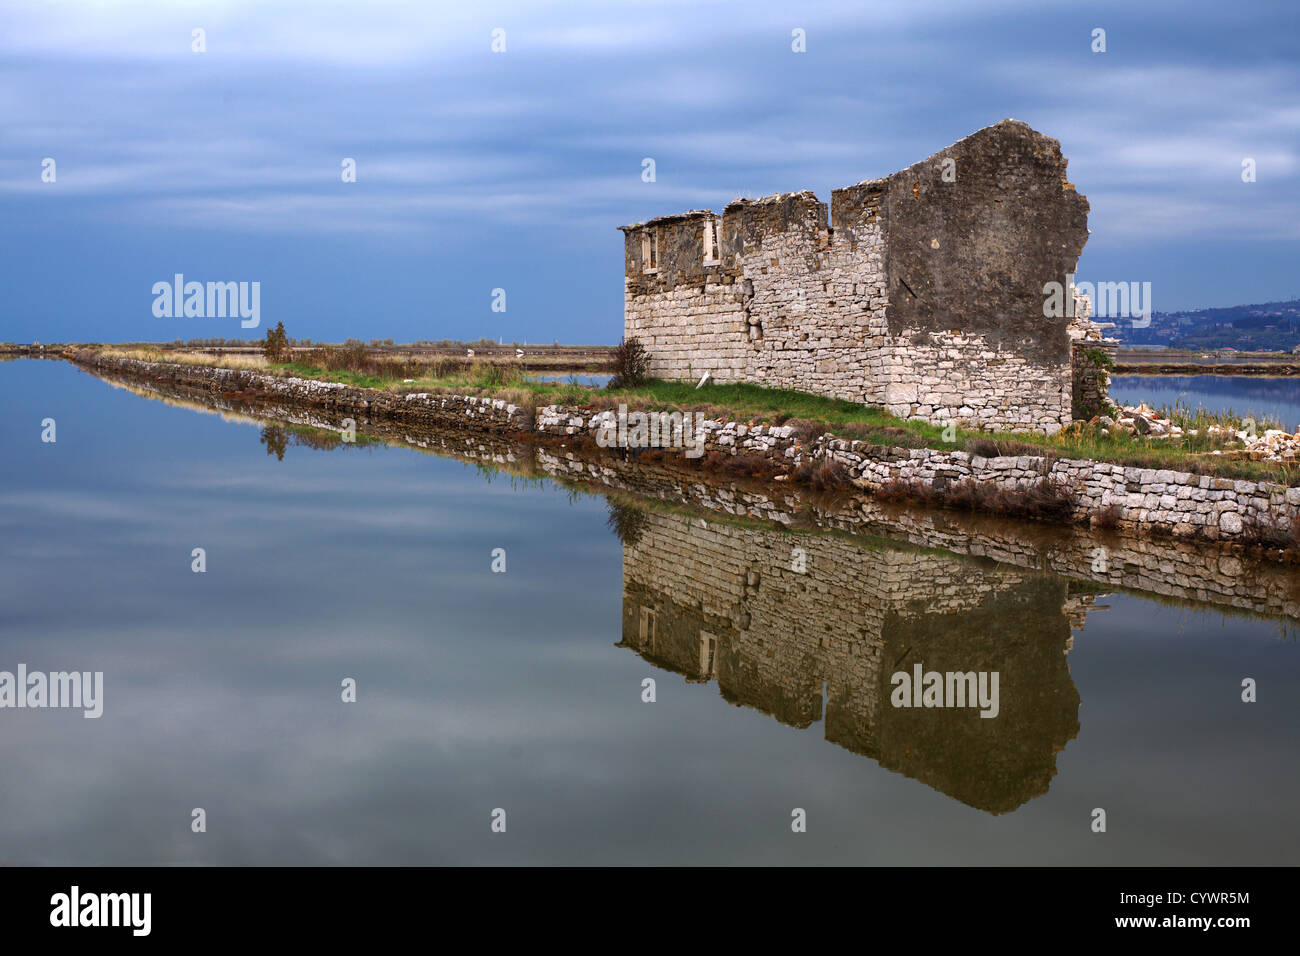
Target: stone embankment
1173, 502
1205, 573
333, 398
1176, 502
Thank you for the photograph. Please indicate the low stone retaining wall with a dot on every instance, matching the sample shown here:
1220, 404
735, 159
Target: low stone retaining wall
420, 409
770, 441
1173, 502
1176, 502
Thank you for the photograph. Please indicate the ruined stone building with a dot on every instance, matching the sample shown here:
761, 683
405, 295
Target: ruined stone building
922, 293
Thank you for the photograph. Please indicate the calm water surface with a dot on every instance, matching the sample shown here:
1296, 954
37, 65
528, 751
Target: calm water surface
575, 378
1275, 398
523, 690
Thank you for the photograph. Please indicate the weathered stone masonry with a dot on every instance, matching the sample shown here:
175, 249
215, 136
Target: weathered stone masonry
715, 602
923, 292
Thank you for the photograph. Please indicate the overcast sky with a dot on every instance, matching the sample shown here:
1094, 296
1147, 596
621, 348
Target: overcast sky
479, 170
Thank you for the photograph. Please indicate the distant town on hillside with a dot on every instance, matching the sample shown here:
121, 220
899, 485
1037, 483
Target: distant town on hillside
1267, 326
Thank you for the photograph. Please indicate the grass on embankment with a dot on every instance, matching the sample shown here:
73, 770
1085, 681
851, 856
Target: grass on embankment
187, 357
813, 415
809, 415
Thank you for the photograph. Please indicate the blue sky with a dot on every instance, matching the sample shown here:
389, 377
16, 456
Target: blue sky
479, 170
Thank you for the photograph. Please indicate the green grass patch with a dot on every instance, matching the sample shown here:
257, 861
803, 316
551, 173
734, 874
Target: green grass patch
344, 376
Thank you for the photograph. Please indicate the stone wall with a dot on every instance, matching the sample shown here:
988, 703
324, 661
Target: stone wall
1186, 568
1177, 502
689, 311
1092, 356
920, 293
333, 398
1180, 503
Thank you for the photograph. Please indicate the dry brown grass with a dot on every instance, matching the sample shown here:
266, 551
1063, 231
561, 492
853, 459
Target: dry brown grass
1107, 518
823, 475
179, 357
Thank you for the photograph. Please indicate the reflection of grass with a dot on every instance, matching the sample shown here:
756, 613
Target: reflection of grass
807, 521
490, 471
279, 436
628, 522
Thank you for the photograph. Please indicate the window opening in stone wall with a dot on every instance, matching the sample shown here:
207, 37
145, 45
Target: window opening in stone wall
712, 252
708, 655
649, 251
647, 627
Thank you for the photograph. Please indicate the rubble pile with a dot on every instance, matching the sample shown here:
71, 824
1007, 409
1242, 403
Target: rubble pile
1273, 444
1138, 420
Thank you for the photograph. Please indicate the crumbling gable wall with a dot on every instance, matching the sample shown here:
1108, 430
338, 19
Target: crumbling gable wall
922, 293
973, 234
689, 312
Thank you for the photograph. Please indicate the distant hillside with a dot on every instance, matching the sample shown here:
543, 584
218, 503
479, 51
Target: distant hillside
1268, 326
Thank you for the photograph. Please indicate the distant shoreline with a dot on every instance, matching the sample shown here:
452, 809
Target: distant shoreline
547, 358
1172, 369
589, 358
1137, 360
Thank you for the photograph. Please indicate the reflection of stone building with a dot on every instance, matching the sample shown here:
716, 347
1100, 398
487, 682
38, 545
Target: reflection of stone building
717, 602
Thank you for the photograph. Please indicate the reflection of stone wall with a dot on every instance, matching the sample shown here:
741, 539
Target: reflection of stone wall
717, 602
994, 764
1185, 570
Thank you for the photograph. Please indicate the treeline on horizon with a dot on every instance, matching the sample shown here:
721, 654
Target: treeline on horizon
1263, 326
